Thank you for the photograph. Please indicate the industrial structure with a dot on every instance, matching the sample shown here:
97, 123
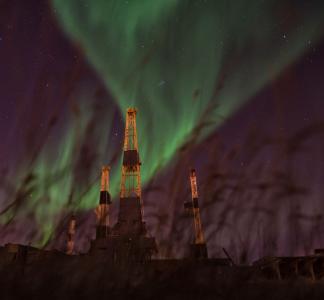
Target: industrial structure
70, 236
198, 248
130, 217
102, 210
127, 240
128, 243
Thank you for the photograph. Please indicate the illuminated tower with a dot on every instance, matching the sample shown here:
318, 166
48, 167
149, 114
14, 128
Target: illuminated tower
70, 237
130, 218
102, 210
198, 248
127, 240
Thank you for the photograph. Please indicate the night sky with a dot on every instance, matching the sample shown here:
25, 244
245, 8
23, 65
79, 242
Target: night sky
234, 89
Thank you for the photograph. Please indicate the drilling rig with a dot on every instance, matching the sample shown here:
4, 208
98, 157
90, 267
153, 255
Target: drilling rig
198, 247
102, 210
70, 236
130, 218
134, 244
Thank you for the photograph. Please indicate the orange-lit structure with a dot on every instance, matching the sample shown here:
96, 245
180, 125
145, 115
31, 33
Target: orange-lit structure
198, 248
127, 240
70, 236
130, 217
102, 210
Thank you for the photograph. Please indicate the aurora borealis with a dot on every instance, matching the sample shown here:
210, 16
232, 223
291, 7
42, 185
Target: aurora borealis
188, 66
169, 59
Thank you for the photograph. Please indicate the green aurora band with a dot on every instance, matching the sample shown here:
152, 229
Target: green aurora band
169, 58
166, 58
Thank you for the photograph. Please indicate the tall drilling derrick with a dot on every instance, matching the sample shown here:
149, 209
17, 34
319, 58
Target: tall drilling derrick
102, 210
130, 218
130, 230
198, 248
70, 236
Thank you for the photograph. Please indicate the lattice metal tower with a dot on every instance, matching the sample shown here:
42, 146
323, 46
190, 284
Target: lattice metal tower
130, 218
198, 248
131, 178
102, 210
